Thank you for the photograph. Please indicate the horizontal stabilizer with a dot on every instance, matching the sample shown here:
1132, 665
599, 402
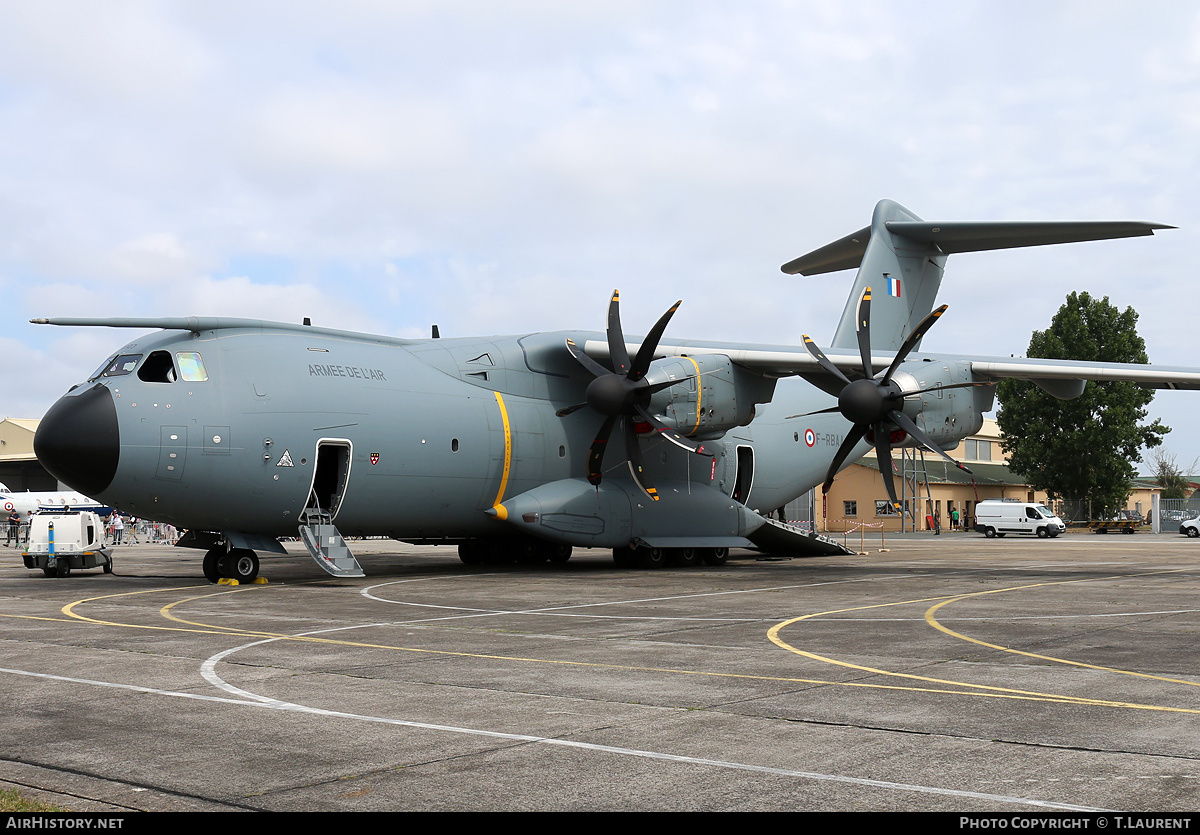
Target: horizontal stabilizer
967, 236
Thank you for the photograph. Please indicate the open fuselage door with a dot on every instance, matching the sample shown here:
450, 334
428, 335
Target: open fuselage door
324, 542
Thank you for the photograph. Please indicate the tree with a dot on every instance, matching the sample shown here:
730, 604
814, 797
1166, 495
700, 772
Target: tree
1081, 450
1174, 481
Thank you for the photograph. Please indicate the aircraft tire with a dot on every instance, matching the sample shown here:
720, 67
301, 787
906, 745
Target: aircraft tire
624, 557
471, 552
243, 565
212, 560
715, 556
533, 552
683, 557
559, 554
651, 557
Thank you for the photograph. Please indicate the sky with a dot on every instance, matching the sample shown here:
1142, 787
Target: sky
499, 168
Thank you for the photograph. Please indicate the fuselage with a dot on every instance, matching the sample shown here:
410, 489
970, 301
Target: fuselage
243, 429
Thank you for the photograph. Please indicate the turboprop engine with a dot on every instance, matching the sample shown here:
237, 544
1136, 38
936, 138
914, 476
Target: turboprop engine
712, 396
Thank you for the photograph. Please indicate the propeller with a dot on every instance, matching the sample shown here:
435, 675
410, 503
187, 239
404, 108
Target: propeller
874, 404
623, 395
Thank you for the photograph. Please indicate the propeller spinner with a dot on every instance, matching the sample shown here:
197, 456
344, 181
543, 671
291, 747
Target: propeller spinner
874, 404
623, 394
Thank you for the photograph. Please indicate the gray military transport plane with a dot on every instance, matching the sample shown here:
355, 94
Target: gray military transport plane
242, 431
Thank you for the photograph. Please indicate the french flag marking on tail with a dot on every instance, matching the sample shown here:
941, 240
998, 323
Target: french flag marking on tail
893, 285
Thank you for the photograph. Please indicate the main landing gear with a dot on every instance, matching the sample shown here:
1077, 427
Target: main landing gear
239, 564
643, 557
519, 550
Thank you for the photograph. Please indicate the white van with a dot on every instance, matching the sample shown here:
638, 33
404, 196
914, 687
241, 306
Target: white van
996, 517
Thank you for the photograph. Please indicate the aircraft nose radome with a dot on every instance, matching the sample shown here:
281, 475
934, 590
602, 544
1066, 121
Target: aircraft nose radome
78, 441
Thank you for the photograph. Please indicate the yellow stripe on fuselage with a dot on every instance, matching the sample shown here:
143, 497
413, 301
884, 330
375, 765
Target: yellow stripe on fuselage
501, 513
699, 395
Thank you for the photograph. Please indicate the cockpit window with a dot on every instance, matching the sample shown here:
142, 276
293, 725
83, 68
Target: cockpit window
191, 367
157, 368
120, 365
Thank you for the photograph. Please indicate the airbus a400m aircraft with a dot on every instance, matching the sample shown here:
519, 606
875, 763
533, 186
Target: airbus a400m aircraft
242, 431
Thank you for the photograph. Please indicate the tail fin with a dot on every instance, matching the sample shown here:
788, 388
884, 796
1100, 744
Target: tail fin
902, 258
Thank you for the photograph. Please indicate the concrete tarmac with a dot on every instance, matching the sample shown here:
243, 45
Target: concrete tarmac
948, 673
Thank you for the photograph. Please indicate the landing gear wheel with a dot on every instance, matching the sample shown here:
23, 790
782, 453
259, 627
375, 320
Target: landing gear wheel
683, 557
559, 554
212, 560
715, 556
471, 552
242, 565
651, 557
624, 557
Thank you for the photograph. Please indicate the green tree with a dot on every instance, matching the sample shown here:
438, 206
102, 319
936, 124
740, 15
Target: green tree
1081, 450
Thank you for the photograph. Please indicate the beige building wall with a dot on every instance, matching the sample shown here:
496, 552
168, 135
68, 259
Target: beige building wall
858, 497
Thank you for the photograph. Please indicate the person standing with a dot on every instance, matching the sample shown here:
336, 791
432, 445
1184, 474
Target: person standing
118, 528
14, 527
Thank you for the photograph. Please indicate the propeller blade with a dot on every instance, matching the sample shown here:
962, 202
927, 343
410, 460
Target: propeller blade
570, 410
913, 339
672, 435
883, 452
864, 332
616, 339
905, 422
596, 453
825, 362
633, 450
645, 353
587, 362
818, 412
853, 437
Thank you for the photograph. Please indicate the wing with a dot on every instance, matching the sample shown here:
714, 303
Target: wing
785, 361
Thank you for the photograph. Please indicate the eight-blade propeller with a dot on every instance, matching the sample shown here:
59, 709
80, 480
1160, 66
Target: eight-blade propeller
623, 394
875, 404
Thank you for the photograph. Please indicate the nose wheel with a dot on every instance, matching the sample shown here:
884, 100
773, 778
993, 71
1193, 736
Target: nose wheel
239, 564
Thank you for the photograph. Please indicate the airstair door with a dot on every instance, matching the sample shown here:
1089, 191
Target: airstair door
330, 477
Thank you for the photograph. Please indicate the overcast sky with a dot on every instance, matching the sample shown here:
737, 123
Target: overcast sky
501, 167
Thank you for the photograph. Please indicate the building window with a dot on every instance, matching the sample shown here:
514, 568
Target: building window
884, 507
850, 508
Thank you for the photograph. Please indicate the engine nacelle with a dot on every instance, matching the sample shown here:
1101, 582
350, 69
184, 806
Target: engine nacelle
714, 394
947, 415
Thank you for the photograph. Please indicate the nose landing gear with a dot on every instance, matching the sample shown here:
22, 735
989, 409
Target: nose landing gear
239, 564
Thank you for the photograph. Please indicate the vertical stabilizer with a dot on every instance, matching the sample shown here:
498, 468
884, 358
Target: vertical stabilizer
901, 258
904, 276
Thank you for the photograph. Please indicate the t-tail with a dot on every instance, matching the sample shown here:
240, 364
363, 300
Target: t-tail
901, 258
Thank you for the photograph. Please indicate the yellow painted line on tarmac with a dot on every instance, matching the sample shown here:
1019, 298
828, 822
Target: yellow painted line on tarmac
992, 692
972, 688
932, 621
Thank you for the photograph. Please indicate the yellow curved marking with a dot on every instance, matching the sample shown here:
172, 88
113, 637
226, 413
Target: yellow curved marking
699, 394
932, 621
209, 629
501, 513
974, 689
